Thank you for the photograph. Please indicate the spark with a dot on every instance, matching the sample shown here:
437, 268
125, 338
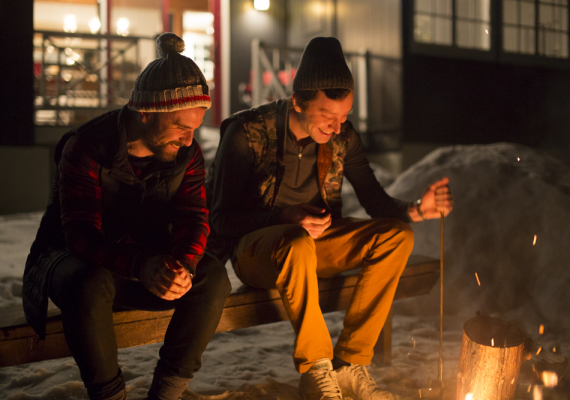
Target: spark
513, 381
539, 350
541, 329
478, 281
487, 31
534, 241
518, 159
554, 349
492, 342
550, 379
419, 390
529, 386
414, 342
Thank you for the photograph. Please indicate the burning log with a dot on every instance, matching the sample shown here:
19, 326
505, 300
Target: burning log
492, 352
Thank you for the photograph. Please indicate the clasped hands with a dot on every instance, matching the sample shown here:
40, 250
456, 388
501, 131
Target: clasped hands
165, 277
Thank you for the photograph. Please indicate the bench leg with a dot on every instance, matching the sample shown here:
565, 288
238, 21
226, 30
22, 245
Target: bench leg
383, 348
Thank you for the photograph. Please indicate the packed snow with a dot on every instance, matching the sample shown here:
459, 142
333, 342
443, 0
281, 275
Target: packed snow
505, 195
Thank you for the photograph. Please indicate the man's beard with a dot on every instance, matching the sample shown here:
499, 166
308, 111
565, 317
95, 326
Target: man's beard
161, 151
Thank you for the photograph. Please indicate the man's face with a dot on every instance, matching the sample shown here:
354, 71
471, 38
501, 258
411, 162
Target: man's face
169, 131
322, 117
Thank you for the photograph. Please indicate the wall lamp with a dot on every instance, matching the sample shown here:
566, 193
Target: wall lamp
261, 5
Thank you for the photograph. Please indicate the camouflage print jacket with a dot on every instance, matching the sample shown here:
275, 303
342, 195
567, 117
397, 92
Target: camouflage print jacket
266, 128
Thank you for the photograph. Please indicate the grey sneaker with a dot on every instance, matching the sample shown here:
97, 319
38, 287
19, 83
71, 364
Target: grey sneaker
355, 381
319, 383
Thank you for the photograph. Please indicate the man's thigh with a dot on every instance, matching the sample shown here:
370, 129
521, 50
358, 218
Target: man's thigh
348, 241
257, 257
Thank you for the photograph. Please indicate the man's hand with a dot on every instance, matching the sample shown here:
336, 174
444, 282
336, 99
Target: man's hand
314, 219
436, 199
165, 277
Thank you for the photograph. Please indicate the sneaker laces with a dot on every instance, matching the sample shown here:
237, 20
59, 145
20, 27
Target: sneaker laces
328, 385
363, 378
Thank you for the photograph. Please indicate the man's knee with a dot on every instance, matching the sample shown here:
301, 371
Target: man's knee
212, 272
393, 235
297, 239
83, 286
297, 250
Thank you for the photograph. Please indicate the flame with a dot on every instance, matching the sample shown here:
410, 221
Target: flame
550, 379
541, 329
534, 241
478, 281
537, 393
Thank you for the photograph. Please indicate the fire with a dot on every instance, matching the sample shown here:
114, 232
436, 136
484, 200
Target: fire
478, 281
550, 379
537, 393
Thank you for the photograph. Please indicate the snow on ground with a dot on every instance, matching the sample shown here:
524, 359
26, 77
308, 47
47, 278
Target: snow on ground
500, 204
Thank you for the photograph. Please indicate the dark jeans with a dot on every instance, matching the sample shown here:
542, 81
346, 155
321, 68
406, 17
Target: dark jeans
87, 297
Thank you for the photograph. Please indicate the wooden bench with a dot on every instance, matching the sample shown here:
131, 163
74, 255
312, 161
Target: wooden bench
245, 307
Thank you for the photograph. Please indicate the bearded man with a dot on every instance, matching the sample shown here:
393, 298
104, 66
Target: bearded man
126, 228
276, 212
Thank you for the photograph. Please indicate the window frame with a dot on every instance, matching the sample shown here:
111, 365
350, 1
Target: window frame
495, 52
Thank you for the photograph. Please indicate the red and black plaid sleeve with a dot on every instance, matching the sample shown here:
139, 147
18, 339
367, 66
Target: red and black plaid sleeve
81, 208
190, 227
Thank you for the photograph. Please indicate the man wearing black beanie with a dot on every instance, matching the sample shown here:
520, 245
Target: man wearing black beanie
275, 189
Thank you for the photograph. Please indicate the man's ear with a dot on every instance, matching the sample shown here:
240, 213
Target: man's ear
145, 116
295, 103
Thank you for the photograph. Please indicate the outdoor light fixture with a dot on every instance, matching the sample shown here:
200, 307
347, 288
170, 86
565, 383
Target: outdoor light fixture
123, 26
69, 23
94, 25
261, 5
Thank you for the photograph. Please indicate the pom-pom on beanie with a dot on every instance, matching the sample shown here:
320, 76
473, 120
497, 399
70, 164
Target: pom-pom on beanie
171, 82
323, 66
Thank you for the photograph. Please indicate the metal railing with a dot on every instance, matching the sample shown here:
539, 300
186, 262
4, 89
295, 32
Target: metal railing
273, 69
80, 75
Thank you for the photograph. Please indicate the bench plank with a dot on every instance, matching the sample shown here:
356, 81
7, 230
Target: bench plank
245, 307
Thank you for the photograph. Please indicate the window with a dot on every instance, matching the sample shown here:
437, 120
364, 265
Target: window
537, 27
460, 23
433, 22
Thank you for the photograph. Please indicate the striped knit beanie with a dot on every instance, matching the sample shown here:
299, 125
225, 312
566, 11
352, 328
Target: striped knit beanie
171, 82
323, 66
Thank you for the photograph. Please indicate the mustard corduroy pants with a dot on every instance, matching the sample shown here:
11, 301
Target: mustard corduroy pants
287, 258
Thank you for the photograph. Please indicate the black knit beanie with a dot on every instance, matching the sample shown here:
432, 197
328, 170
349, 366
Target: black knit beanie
323, 66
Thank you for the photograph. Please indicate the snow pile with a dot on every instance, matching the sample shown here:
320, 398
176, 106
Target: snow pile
17, 232
505, 195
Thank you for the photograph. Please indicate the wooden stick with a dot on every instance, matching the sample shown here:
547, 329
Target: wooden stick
440, 370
